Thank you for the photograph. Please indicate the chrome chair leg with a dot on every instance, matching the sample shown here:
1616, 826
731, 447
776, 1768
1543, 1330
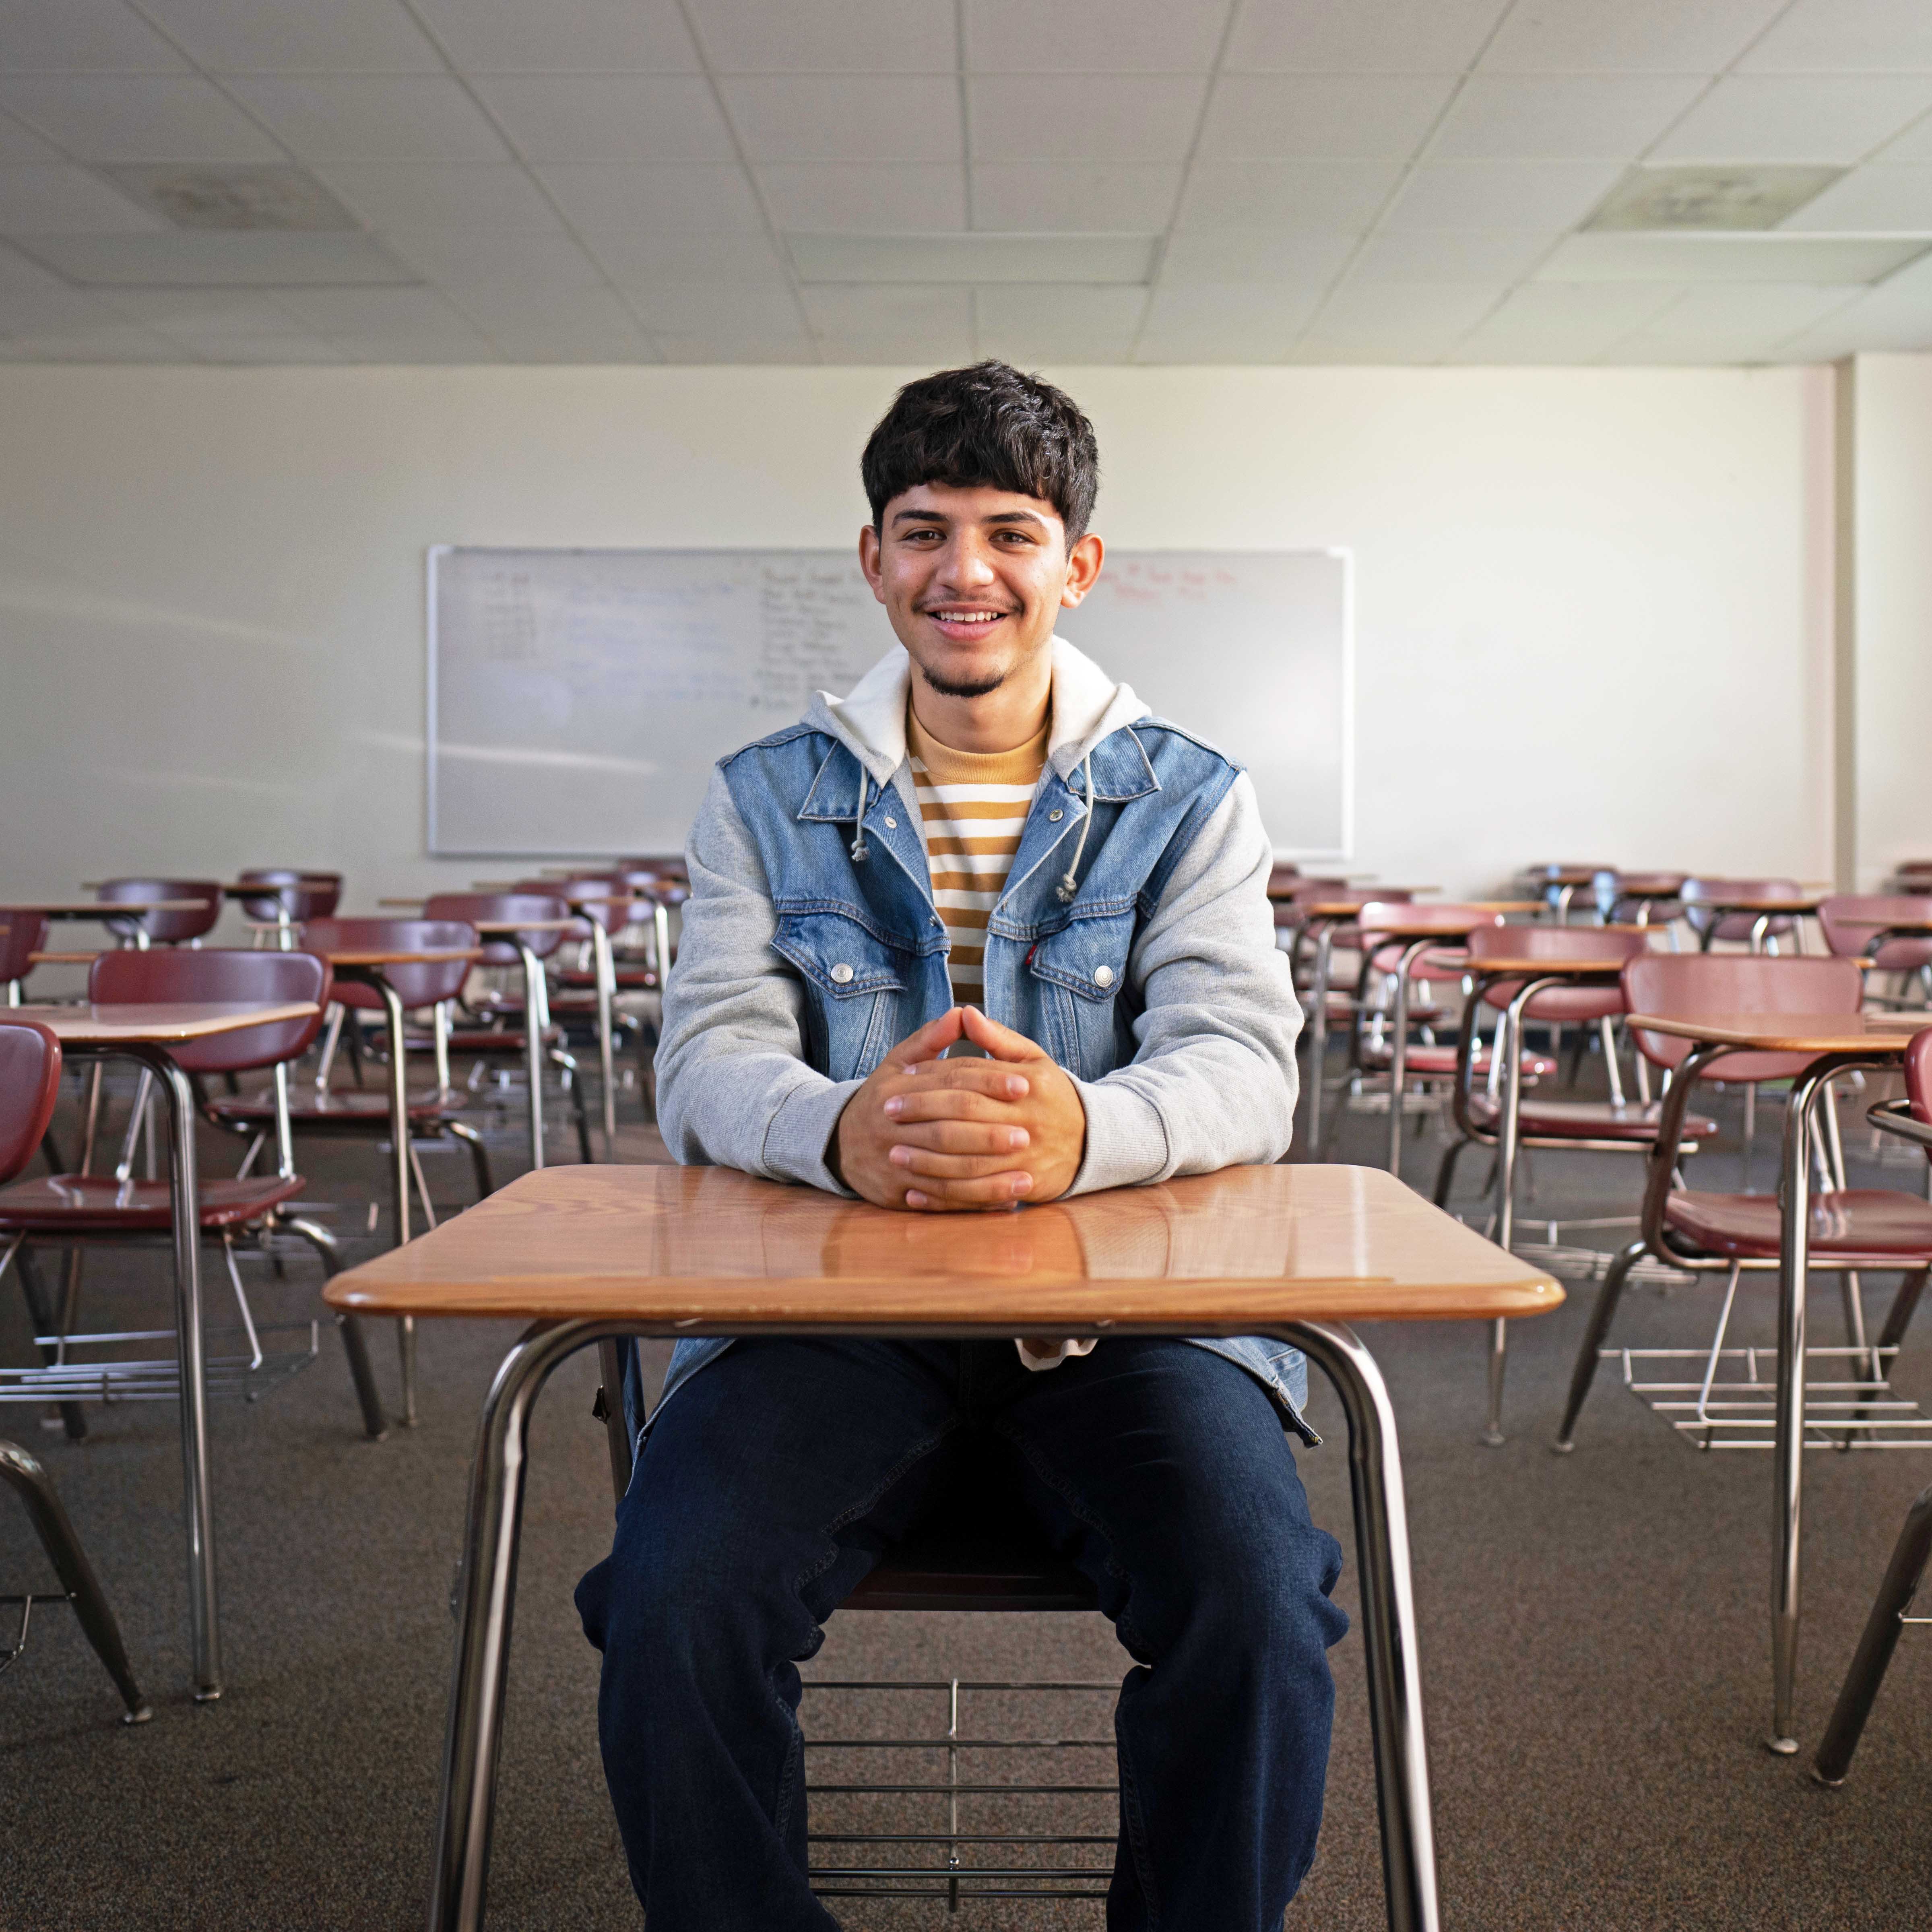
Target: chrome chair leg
40, 1312
355, 1343
24, 1475
479, 1155
1601, 1316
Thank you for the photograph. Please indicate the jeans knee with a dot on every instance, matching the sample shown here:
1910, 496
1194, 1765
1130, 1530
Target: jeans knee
1262, 1602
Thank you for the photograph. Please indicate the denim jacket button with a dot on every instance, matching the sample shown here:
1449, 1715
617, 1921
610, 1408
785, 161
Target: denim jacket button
841, 974
1056, 816
1103, 976
892, 824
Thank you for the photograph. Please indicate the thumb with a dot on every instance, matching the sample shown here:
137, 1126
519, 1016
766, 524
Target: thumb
1001, 1042
930, 1042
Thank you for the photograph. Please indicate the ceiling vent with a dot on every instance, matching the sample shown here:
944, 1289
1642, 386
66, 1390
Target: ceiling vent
1710, 195
281, 199
1059, 259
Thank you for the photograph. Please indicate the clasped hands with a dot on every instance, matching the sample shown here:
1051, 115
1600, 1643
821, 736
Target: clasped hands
944, 1136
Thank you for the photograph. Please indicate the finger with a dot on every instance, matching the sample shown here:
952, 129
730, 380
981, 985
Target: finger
974, 1137
1002, 1042
925, 1162
930, 1041
996, 1190
984, 1098
989, 1076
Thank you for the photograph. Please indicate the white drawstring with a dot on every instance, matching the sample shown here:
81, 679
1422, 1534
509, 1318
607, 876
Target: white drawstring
858, 824
1069, 880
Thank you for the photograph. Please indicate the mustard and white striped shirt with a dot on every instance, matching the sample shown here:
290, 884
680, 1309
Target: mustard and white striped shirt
974, 806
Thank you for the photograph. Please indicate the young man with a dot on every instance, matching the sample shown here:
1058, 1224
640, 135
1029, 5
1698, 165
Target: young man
983, 932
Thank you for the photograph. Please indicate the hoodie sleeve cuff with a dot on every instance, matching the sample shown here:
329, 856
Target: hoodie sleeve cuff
1126, 1139
800, 1134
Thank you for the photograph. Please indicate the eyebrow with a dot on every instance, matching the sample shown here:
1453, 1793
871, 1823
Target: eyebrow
999, 516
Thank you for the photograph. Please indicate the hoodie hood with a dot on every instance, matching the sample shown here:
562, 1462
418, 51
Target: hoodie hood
870, 720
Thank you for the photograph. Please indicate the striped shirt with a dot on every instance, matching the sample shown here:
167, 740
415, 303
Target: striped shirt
974, 806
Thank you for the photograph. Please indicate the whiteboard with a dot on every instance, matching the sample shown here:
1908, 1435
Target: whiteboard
579, 698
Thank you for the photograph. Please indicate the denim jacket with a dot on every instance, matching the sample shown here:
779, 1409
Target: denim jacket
811, 947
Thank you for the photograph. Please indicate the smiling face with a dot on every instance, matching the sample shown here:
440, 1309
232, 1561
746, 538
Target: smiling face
973, 580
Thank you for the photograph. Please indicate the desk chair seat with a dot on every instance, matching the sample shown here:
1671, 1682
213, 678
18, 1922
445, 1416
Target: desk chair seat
1858, 1227
1439, 1063
1633, 1123
72, 1207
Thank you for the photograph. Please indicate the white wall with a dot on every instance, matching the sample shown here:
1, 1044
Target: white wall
1893, 572
1588, 615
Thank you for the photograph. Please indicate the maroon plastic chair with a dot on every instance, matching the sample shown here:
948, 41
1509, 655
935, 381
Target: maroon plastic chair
1851, 921
1711, 926
1429, 1060
30, 1070
1643, 898
163, 928
23, 932
1850, 1228
502, 1031
319, 1109
68, 1209
297, 897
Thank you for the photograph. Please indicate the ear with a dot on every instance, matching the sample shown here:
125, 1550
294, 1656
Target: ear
869, 560
1083, 570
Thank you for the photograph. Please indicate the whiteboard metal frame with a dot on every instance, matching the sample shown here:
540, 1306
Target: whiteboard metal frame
1343, 553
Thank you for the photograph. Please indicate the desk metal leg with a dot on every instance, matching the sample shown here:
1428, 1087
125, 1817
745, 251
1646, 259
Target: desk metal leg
607, 1067
486, 1596
1388, 1622
198, 1504
399, 1135
1317, 1036
536, 1023
1788, 1447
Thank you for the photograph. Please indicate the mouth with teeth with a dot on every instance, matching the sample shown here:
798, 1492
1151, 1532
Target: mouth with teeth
965, 623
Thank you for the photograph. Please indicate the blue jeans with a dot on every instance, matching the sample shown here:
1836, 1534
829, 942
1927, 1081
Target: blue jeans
772, 1483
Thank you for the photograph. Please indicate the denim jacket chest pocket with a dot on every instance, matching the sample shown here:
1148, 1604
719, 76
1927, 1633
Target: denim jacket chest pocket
1081, 972
855, 980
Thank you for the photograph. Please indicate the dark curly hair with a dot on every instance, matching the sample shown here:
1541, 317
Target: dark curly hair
985, 427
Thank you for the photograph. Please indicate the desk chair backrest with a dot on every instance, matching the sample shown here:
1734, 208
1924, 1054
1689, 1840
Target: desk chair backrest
1617, 895
1706, 985
415, 985
606, 899
221, 975
1852, 920
500, 949
1709, 924
1918, 1078
1562, 1003
25, 934
168, 928
30, 1070
302, 895
1385, 952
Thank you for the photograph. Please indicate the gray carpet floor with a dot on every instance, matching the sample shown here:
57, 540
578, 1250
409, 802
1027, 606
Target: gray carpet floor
1594, 1635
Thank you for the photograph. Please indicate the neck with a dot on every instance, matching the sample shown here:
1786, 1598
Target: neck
997, 721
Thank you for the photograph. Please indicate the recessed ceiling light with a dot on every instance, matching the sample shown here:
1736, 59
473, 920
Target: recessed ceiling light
887, 258
1709, 196
206, 261
1831, 260
286, 200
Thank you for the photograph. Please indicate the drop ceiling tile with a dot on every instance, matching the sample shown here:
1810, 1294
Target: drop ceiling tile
267, 351
1868, 36
844, 117
593, 350
64, 200
18, 144
1145, 118
52, 311
130, 117
1452, 255
795, 346
1880, 196
1320, 196
78, 36
1753, 310
1047, 323
499, 308
409, 351
608, 117
836, 198
900, 314
731, 308
1391, 313
1863, 329
629, 258
211, 258
1326, 116
1639, 36
309, 36
112, 342
19, 273
1037, 197
1837, 117
474, 256
1215, 255
1719, 349
1561, 117
667, 199
385, 312
567, 36
1245, 305
200, 313
1392, 37
1561, 323
828, 36
1092, 36
1914, 144
440, 195
372, 117
1502, 194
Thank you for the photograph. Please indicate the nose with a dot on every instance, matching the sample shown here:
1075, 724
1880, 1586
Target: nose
967, 564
